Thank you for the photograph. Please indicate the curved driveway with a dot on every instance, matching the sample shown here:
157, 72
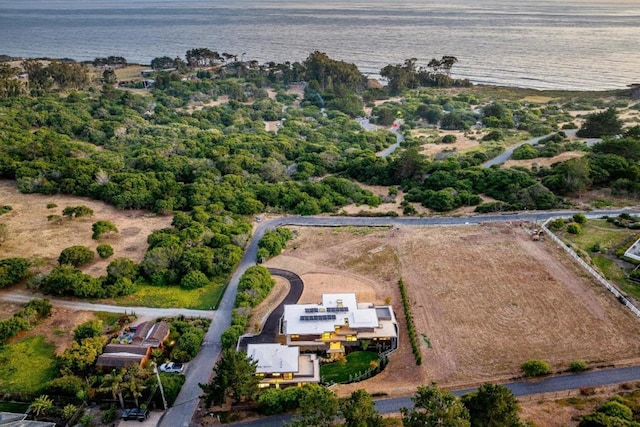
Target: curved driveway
271, 326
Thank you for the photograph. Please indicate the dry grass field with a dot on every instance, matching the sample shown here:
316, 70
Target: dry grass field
486, 297
31, 235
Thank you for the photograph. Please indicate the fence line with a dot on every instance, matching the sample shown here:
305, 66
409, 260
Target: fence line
591, 271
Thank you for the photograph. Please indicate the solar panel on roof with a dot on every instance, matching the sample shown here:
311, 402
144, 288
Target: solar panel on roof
306, 317
311, 310
337, 309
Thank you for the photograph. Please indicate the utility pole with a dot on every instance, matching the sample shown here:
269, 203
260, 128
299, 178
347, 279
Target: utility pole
155, 369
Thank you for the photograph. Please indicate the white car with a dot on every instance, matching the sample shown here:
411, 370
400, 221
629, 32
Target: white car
172, 367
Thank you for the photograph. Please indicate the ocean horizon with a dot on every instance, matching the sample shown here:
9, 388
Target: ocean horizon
576, 44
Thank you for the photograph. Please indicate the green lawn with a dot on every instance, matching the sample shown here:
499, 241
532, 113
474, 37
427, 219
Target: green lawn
174, 296
357, 362
599, 231
610, 237
27, 366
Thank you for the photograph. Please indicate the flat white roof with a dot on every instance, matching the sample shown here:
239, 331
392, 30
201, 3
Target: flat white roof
336, 310
274, 358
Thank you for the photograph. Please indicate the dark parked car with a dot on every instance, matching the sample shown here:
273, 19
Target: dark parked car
135, 414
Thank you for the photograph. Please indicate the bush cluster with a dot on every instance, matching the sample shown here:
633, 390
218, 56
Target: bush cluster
411, 328
188, 336
255, 284
34, 311
273, 242
535, 368
13, 270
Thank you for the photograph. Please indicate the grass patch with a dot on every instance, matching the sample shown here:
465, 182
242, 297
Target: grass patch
16, 376
357, 363
599, 231
610, 237
108, 319
174, 296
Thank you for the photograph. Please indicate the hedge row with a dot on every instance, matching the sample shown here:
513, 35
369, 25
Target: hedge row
255, 284
415, 344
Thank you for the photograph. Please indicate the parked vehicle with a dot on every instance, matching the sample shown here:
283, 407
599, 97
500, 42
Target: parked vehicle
172, 367
135, 414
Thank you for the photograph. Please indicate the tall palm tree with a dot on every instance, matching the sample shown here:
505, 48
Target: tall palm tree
133, 383
113, 383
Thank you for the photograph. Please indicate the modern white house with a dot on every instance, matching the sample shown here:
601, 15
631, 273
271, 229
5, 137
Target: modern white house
280, 365
337, 322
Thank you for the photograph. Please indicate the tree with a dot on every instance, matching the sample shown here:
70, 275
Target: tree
234, 376
88, 329
76, 255
12, 270
601, 124
109, 76
102, 227
492, 405
133, 383
114, 383
535, 368
318, 407
41, 405
359, 411
194, 279
77, 211
435, 407
104, 251
579, 218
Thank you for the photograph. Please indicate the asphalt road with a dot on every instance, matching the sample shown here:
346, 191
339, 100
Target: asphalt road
506, 155
519, 388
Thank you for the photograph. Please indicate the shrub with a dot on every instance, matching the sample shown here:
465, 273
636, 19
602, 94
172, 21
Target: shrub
574, 228
88, 329
104, 251
557, 224
172, 384
102, 227
4, 209
13, 270
494, 135
577, 366
109, 415
75, 256
449, 139
77, 211
51, 205
535, 368
193, 280
274, 241
579, 218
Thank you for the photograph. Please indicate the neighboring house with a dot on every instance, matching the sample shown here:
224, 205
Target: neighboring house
147, 336
339, 322
151, 334
10, 419
281, 366
123, 355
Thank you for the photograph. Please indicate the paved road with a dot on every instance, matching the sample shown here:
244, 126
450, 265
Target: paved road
143, 313
520, 388
506, 155
399, 140
271, 327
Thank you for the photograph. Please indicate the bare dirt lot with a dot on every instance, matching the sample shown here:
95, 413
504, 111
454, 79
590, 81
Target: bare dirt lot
31, 235
487, 298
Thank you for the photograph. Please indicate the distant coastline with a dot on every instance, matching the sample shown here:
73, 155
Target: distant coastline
577, 45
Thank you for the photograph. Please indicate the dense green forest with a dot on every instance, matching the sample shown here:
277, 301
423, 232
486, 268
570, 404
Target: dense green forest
214, 166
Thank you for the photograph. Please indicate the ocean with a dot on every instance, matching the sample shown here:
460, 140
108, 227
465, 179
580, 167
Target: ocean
574, 44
